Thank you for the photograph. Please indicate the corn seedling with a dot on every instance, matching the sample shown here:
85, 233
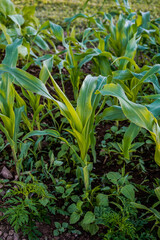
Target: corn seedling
136, 113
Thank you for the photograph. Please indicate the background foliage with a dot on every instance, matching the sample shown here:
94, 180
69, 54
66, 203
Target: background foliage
58, 10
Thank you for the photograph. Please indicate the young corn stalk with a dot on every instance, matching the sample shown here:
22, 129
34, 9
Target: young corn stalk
81, 119
34, 100
136, 113
9, 115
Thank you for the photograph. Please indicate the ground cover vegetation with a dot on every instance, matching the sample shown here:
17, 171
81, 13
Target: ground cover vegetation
79, 124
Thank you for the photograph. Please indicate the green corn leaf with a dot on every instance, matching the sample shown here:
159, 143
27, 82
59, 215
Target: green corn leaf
47, 64
41, 43
83, 142
129, 60
154, 107
153, 70
113, 113
79, 15
86, 106
130, 52
154, 80
57, 31
104, 65
155, 212
82, 128
18, 113
84, 103
130, 134
20, 101
145, 19
136, 78
95, 53
27, 81
28, 11
7, 7
4, 130
17, 19
11, 55
122, 75
67, 109
36, 113
8, 123
24, 149
86, 177
33, 99
50, 132
136, 113
7, 36
30, 31
157, 192
127, 6
8, 93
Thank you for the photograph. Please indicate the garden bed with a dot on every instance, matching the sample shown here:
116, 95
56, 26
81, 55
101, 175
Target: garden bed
79, 124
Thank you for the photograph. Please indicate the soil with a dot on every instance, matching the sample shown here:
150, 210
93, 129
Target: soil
8, 233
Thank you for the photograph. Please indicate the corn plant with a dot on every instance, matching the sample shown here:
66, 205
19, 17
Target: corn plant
136, 113
125, 6
133, 80
22, 24
119, 39
81, 119
10, 117
126, 148
121, 36
34, 100
72, 59
73, 68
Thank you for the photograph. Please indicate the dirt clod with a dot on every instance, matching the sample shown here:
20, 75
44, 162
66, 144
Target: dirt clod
11, 232
6, 173
16, 236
